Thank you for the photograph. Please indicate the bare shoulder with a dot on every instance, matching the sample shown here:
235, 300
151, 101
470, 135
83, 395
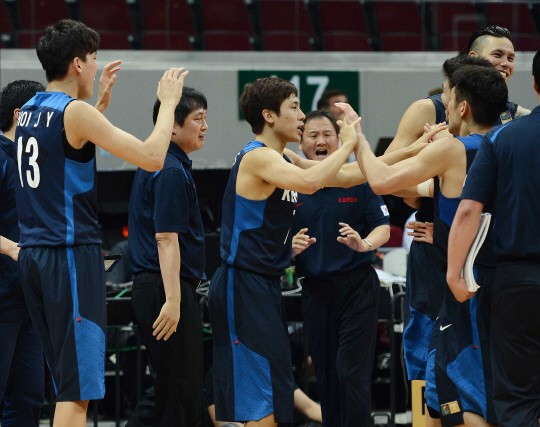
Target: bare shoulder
78, 110
421, 106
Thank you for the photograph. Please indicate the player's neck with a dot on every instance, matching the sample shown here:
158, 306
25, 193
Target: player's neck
68, 85
471, 128
10, 134
271, 140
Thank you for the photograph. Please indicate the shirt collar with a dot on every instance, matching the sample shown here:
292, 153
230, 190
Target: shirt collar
177, 152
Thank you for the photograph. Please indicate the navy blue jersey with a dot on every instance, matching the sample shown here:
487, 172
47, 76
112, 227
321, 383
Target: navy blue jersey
447, 208
321, 213
440, 110
56, 195
256, 234
11, 297
166, 202
506, 174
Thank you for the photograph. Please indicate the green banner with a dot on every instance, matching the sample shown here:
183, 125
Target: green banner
310, 84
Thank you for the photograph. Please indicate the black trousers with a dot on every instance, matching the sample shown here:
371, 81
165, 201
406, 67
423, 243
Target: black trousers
515, 341
176, 398
340, 316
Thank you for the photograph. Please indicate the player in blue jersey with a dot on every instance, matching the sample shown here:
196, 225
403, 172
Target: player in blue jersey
252, 365
60, 261
253, 379
455, 365
505, 176
166, 244
21, 359
340, 289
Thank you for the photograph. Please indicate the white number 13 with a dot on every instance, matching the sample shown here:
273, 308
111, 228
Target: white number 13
33, 176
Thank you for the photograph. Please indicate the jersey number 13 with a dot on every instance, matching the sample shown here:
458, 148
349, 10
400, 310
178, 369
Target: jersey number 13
32, 174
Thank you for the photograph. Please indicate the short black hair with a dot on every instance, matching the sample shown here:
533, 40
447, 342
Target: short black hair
451, 65
266, 93
61, 43
191, 100
317, 114
536, 68
14, 95
490, 30
484, 89
324, 101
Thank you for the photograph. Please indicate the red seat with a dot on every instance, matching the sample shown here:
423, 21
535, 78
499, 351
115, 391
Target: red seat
396, 237
285, 25
226, 25
36, 15
226, 40
345, 41
526, 42
343, 25
166, 40
167, 25
106, 15
402, 42
515, 16
167, 15
454, 22
399, 25
113, 40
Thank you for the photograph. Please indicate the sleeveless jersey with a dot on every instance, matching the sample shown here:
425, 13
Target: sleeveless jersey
447, 208
256, 234
426, 210
56, 195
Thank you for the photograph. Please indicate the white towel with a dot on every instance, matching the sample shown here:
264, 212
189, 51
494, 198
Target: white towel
467, 272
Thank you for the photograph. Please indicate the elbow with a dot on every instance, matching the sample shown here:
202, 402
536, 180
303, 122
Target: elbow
310, 186
153, 164
378, 187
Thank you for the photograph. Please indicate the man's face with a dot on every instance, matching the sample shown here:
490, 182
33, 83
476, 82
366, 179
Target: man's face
500, 52
89, 70
336, 112
191, 135
289, 124
453, 112
445, 96
319, 139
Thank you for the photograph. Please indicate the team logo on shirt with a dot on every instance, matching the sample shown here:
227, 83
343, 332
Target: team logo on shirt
290, 196
347, 199
384, 210
506, 117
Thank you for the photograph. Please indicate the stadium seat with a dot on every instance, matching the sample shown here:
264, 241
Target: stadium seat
399, 25
285, 25
226, 25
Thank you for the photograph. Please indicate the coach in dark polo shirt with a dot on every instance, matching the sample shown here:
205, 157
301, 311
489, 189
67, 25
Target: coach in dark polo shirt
166, 242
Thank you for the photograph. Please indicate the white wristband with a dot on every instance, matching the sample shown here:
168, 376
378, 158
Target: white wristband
370, 245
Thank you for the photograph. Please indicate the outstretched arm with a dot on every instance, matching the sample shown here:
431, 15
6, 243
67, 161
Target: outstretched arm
462, 234
84, 123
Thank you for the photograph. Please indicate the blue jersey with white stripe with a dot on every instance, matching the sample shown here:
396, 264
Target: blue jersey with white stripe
256, 234
56, 194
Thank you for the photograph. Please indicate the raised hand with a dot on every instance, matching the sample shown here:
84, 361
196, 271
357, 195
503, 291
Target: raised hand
351, 238
350, 115
429, 136
107, 80
171, 84
301, 241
